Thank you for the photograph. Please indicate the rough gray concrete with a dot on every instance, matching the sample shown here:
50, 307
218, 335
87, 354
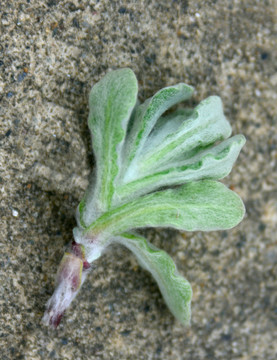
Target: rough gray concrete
51, 53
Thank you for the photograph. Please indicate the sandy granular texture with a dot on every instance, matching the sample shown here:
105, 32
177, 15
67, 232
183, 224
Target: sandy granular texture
52, 52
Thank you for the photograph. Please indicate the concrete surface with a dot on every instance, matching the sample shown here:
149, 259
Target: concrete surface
51, 53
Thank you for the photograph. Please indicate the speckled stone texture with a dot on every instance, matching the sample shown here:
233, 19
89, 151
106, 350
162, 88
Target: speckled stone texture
51, 53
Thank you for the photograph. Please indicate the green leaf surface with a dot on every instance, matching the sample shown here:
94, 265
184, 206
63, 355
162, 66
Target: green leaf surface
111, 102
213, 163
147, 114
175, 289
203, 205
167, 125
201, 127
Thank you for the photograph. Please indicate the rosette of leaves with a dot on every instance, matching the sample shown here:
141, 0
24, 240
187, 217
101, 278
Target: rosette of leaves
152, 170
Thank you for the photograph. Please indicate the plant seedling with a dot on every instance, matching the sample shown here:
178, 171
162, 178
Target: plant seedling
151, 170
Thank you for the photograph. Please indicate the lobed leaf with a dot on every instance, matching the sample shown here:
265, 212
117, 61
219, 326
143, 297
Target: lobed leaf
199, 128
175, 289
203, 205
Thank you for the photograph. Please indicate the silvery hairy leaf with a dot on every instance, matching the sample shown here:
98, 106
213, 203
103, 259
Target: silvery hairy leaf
152, 170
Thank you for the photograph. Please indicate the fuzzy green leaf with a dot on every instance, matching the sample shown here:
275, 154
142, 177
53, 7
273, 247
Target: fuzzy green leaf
203, 205
111, 102
213, 163
146, 115
175, 289
199, 128
137, 153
